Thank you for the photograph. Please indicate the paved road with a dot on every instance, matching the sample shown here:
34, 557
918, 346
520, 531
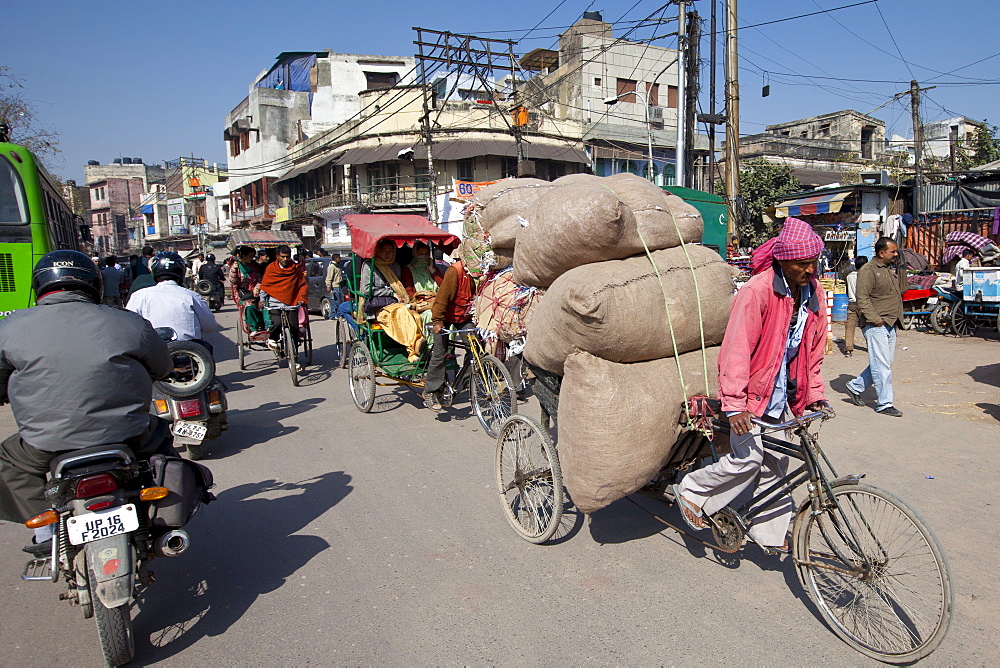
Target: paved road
342, 538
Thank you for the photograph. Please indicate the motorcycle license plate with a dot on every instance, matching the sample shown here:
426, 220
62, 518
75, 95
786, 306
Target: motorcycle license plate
932, 300
102, 524
190, 430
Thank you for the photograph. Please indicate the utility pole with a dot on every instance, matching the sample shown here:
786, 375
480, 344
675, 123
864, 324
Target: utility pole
732, 116
426, 131
679, 151
711, 101
918, 141
691, 91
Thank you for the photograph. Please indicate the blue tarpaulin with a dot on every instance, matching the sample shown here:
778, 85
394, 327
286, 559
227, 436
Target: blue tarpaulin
147, 208
291, 72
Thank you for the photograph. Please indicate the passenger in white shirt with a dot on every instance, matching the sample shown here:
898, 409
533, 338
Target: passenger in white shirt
853, 312
963, 264
167, 304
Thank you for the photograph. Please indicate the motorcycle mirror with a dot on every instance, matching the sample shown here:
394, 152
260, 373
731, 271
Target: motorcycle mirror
166, 333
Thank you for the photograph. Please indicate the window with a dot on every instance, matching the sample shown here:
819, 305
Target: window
653, 93
824, 130
234, 147
380, 80
244, 140
13, 209
672, 94
597, 81
508, 167
466, 170
625, 90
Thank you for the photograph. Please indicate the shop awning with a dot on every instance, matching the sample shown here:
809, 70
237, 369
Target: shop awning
263, 238
462, 149
315, 163
805, 206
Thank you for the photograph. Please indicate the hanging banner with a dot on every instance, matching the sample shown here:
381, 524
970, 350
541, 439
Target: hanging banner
464, 190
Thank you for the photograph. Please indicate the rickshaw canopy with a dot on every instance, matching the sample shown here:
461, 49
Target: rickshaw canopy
367, 230
263, 238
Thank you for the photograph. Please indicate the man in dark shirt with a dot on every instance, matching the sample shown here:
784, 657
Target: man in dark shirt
881, 284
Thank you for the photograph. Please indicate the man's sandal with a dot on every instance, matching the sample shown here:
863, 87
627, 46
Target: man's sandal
688, 510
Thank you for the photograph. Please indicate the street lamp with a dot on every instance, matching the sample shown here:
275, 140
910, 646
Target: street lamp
649, 127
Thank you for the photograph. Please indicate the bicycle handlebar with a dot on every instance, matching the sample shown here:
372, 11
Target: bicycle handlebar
826, 413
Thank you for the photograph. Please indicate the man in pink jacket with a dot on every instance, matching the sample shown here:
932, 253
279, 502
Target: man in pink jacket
769, 364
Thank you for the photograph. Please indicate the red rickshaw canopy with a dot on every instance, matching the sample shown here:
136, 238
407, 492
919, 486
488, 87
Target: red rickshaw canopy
368, 229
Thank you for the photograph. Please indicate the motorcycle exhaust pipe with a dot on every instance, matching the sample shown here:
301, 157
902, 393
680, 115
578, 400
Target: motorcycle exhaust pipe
172, 544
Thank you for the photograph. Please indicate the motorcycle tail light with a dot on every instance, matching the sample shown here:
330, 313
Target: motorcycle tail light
189, 407
161, 406
153, 493
99, 505
42, 520
215, 398
95, 485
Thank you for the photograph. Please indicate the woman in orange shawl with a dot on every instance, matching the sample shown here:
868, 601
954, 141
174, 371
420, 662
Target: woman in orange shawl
284, 288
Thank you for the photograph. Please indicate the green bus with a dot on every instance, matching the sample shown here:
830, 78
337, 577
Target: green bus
34, 219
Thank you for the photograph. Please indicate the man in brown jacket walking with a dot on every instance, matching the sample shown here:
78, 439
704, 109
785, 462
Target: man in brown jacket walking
881, 284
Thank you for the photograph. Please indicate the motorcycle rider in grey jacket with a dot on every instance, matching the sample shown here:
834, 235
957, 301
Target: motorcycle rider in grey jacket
76, 374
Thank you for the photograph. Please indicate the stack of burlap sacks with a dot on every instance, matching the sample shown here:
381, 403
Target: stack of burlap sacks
602, 324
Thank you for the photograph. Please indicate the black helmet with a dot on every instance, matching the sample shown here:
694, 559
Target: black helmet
167, 266
67, 270
210, 258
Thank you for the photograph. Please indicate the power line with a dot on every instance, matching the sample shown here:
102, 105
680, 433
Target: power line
893, 38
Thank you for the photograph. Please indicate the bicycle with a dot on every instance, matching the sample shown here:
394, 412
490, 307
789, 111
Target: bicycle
870, 563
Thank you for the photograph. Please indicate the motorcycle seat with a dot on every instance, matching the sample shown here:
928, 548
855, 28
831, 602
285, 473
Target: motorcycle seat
88, 456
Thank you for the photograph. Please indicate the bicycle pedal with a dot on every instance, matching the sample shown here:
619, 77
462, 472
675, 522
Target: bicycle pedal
37, 569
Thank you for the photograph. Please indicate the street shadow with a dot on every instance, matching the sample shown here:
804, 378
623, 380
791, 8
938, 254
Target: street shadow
244, 545
993, 410
396, 398
987, 374
637, 517
254, 426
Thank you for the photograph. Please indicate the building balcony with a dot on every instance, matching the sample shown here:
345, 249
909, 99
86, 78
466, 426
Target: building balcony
397, 191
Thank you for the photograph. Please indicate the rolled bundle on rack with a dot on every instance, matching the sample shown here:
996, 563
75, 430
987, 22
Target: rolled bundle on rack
503, 308
500, 208
616, 310
619, 422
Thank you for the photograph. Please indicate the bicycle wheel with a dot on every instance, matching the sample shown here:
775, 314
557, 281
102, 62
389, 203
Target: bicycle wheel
344, 340
940, 318
362, 372
962, 324
529, 479
307, 343
291, 352
494, 397
877, 574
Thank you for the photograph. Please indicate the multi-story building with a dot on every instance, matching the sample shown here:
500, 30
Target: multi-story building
300, 96
821, 149
115, 193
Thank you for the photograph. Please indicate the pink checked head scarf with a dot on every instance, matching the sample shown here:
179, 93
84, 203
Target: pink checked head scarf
797, 241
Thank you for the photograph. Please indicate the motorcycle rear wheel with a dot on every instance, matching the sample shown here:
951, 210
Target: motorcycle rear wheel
940, 318
114, 628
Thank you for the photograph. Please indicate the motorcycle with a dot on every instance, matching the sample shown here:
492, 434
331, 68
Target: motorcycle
212, 291
194, 403
942, 306
112, 513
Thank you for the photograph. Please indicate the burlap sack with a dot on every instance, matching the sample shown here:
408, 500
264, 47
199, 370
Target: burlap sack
573, 225
663, 219
569, 226
502, 306
481, 259
501, 206
618, 422
615, 309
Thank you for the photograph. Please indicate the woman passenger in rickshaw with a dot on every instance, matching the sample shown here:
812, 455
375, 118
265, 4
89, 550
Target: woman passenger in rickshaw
421, 279
388, 301
244, 279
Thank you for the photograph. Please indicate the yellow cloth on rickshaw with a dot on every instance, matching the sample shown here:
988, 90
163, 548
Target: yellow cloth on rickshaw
403, 326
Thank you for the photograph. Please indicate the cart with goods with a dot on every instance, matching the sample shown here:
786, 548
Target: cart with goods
622, 355
980, 304
247, 341
376, 359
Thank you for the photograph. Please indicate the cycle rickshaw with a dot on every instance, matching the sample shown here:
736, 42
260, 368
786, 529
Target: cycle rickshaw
869, 562
247, 341
375, 359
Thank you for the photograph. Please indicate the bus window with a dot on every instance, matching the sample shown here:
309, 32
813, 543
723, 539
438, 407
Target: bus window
13, 208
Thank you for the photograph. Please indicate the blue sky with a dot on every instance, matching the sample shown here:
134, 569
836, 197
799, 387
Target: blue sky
154, 80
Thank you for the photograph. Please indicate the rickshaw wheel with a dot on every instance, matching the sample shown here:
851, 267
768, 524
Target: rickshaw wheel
362, 372
494, 398
240, 343
962, 323
344, 339
940, 318
529, 479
